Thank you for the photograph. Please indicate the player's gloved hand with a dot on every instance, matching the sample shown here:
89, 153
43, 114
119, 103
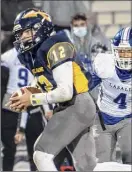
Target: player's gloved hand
19, 136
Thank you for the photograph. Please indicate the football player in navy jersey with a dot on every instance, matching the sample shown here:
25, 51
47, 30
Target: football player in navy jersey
50, 57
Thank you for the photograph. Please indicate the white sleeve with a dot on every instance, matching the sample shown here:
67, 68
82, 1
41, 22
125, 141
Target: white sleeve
8, 57
4, 61
63, 75
104, 65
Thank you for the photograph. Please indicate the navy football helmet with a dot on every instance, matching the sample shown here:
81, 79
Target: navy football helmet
122, 49
37, 22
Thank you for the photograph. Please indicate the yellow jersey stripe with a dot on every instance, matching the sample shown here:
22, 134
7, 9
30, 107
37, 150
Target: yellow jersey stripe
79, 79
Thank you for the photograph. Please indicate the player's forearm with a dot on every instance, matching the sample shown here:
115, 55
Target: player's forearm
60, 94
63, 75
56, 96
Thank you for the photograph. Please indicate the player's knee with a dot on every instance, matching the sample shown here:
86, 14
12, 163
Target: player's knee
39, 157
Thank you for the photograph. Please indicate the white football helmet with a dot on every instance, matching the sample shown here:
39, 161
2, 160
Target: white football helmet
122, 49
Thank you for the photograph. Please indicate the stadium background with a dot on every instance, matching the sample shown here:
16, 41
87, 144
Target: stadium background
109, 15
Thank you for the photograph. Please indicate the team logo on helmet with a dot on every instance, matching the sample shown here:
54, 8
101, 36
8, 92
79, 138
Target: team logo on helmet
39, 25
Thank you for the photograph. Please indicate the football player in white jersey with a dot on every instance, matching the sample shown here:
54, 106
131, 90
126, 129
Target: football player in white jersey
19, 76
114, 73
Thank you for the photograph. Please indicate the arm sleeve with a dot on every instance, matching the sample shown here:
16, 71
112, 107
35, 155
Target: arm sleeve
63, 75
59, 60
61, 66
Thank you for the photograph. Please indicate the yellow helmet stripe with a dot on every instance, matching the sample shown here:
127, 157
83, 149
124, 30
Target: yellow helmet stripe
34, 14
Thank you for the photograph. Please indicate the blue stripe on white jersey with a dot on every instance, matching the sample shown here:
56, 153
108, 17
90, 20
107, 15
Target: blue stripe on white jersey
110, 120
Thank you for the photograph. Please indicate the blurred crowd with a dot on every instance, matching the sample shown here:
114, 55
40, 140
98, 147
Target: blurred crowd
80, 24
64, 16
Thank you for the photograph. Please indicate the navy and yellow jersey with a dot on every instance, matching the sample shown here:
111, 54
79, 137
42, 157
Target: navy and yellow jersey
53, 52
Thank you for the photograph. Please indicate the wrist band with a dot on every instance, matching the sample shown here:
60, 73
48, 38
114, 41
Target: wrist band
38, 99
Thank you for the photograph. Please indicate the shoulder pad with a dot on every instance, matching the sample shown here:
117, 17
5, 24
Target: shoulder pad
60, 53
57, 49
57, 38
9, 56
104, 65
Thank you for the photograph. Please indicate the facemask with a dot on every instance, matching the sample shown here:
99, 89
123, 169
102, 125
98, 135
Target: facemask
80, 31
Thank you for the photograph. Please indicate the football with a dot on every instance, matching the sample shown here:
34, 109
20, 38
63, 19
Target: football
20, 92
33, 90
